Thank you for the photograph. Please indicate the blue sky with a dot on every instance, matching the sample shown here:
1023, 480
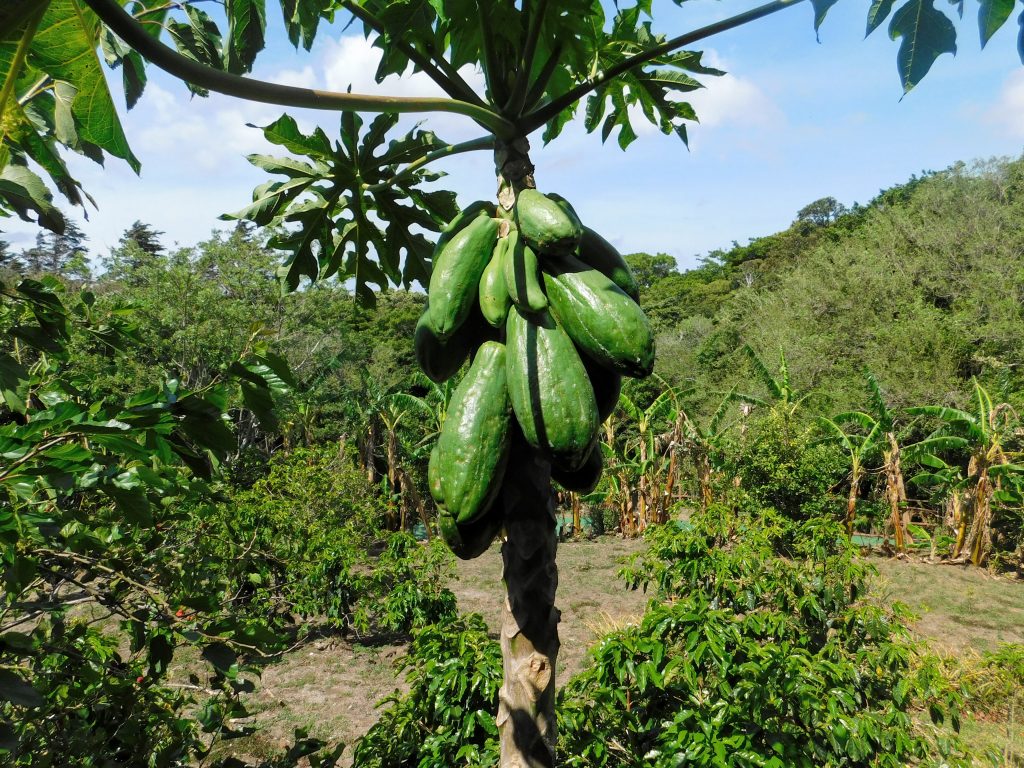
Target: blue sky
794, 120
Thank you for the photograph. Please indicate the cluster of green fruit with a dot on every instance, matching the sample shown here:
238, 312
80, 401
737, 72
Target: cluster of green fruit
549, 310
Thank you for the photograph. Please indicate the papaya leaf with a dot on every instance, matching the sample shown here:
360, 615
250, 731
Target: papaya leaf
346, 212
821, 9
992, 14
26, 193
877, 13
247, 24
924, 33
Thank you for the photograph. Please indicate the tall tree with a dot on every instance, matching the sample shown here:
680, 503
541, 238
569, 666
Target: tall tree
59, 253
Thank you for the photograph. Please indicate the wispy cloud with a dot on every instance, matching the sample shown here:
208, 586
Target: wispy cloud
1007, 115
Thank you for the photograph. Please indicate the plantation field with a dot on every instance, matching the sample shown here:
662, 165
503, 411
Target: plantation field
331, 686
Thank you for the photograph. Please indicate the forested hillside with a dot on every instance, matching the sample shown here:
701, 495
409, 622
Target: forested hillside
923, 286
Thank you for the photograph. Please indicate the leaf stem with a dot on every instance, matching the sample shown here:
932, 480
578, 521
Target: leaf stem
492, 67
129, 30
522, 83
450, 82
484, 142
536, 119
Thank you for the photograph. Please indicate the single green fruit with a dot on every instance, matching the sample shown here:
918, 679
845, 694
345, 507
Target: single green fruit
473, 447
494, 298
441, 358
584, 479
457, 269
545, 225
522, 275
469, 540
605, 323
596, 252
462, 218
548, 385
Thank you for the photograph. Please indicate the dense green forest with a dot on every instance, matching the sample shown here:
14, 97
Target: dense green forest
198, 459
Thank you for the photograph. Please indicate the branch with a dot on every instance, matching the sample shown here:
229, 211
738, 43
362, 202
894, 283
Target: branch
129, 30
536, 119
451, 83
484, 142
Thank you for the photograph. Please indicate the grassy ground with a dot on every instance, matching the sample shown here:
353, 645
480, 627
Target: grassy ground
963, 612
332, 686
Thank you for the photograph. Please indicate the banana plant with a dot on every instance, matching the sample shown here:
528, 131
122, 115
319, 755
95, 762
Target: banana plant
986, 436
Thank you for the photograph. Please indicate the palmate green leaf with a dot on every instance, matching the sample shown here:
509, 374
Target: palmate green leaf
152, 14
26, 193
340, 214
924, 33
302, 19
877, 13
821, 9
654, 88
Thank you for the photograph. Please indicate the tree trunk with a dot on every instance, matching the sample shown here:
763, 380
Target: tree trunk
529, 626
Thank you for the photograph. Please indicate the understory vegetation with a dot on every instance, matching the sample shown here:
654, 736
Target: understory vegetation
201, 475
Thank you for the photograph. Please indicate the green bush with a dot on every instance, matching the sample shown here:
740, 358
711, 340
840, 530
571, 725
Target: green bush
782, 468
761, 652
447, 718
305, 542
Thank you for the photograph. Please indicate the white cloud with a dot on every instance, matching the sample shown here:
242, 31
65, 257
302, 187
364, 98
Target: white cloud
1007, 114
731, 100
199, 133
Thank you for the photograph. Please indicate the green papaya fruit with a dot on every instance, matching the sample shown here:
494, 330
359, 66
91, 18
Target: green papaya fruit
548, 385
473, 447
605, 323
441, 358
457, 269
545, 225
462, 218
584, 479
596, 252
494, 297
607, 386
469, 540
522, 275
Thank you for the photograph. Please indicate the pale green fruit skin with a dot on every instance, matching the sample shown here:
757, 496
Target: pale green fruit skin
545, 225
605, 323
455, 277
494, 297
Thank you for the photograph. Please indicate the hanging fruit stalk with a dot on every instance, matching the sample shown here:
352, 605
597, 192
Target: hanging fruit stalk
543, 310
